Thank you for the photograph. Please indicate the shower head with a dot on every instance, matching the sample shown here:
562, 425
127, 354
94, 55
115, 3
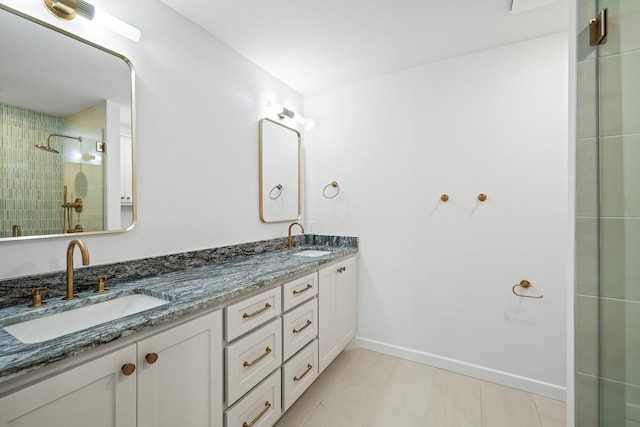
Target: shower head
47, 148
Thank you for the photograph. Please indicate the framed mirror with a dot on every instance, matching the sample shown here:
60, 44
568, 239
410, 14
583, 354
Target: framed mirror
279, 172
66, 133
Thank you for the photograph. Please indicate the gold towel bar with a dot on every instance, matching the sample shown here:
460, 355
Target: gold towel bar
524, 284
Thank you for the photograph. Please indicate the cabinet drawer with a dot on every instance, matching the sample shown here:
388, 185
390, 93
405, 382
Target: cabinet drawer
299, 290
300, 326
260, 408
252, 358
298, 373
249, 313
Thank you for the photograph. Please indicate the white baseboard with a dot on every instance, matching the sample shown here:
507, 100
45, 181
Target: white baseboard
530, 385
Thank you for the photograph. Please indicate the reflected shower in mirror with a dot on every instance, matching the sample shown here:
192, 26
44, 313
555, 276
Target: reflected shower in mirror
66, 108
279, 172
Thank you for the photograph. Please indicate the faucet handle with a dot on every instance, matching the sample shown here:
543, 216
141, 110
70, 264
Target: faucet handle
101, 280
36, 301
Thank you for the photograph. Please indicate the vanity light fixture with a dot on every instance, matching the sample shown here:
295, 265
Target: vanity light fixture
283, 112
69, 9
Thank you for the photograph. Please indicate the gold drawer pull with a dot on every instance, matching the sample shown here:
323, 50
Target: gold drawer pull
295, 331
266, 307
267, 405
309, 286
266, 353
309, 368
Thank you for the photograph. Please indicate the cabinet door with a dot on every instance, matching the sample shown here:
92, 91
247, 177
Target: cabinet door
180, 375
96, 393
346, 303
327, 321
336, 309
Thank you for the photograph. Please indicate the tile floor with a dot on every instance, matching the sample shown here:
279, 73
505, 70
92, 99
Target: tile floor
365, 388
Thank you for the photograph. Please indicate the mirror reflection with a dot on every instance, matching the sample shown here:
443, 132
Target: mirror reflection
65, 133
279, 172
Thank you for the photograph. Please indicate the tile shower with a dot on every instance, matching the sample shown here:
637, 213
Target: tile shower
607, 301
32, 181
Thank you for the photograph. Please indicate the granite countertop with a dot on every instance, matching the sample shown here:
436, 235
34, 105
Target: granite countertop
188, 291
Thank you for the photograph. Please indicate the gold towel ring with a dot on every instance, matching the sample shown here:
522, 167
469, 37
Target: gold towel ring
524, 284
277, 188
333, 184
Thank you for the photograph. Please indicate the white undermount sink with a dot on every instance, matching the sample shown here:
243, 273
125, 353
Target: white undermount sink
311, 253
59, 324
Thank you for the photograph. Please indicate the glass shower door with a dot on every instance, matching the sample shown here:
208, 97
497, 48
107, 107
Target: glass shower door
608, 219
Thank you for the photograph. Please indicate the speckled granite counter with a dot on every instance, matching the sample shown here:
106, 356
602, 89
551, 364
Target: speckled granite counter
188, 290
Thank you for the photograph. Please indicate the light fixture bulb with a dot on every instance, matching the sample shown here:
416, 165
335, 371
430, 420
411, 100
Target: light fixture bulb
116, 25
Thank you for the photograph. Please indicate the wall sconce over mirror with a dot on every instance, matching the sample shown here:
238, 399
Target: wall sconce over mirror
66, 133
279, 172
284, 113
69, 9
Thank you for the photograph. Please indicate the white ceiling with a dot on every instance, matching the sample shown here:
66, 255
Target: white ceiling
314, 45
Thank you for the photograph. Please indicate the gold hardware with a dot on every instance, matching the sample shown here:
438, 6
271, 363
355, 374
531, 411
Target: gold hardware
290, 227
306, 325
309, 368
333, 184
267, 405
342, 269
151, 358
309, 286
100, 280
524, 284
598, 29
296, 243
128, 369
444, 197
283, 247
266, 307
68, 9
85, 261
265, 354
36, 301
482, 197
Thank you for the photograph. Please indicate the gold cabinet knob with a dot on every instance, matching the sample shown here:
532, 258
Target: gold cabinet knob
151, 358
128, 369
444, 197
482, 197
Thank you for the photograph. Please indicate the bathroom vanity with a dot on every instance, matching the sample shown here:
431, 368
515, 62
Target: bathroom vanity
237, 344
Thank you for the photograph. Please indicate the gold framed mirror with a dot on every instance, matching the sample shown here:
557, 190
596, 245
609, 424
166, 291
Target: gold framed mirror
280, 180
67, 133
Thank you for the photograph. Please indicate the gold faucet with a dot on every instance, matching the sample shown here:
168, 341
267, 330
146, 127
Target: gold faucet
85, 261
290, 227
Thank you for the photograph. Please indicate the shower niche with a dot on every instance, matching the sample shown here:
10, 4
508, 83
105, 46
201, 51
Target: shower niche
66, 133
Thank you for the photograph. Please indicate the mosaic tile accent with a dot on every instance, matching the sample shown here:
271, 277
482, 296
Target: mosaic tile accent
36, 209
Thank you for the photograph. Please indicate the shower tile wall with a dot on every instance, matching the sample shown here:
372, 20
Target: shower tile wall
608, 220
35, 208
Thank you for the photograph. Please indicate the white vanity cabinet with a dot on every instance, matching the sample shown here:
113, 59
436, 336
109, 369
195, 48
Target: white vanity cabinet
96, 393
336, 309
168, 379
275, 345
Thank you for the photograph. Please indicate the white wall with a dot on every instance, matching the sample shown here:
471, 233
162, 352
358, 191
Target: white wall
435, 278
198, 105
